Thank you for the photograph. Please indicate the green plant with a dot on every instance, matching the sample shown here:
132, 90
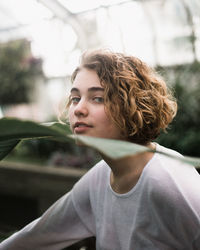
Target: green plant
54, 153
184, 134
18, 71
13, 130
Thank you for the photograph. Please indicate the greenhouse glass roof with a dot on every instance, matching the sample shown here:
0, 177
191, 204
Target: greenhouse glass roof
161, 32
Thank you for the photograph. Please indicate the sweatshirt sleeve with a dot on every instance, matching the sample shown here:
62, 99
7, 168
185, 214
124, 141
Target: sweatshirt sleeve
60, 226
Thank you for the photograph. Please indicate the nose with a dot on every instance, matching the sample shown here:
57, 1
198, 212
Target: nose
81, 109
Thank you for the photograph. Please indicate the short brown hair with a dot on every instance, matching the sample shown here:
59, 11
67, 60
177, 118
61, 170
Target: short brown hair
136, 97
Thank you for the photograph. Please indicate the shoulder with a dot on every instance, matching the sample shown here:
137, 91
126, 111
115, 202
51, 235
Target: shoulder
173, 183
168, 152
173, 191
168, 164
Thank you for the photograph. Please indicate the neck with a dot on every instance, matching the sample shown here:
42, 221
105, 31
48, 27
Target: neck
126, 172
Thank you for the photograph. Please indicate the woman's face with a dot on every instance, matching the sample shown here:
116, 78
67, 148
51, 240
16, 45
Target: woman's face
87, 112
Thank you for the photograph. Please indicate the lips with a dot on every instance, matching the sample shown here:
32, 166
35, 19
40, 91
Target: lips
81, 127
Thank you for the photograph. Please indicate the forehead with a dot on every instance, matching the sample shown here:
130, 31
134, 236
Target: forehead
86, 78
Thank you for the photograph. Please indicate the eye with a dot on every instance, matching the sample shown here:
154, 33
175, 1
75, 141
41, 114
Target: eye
98, 99
75, 99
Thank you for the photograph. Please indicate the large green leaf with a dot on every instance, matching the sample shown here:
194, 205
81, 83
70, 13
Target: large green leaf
6, 146
13, 130
116, 149
112, 148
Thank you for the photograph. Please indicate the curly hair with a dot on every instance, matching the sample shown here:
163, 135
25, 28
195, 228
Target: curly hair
136, 98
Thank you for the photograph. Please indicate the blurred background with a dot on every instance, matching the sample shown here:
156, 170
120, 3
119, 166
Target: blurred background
41, 42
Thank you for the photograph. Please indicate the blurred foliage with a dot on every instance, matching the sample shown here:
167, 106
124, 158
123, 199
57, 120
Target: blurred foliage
184, 132
18, 71
54, 153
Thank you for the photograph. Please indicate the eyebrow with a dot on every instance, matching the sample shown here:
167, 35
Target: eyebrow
92, 89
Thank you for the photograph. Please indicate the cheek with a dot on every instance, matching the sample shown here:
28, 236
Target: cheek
111, 127
106, 121
101, 116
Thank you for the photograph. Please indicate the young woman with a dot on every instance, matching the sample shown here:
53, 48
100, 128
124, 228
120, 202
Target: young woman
145, 201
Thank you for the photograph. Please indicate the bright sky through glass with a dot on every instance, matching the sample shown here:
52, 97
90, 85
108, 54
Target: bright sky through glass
152, 30
76, 6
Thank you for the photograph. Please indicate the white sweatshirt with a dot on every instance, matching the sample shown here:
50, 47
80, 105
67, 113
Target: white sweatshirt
161, 212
